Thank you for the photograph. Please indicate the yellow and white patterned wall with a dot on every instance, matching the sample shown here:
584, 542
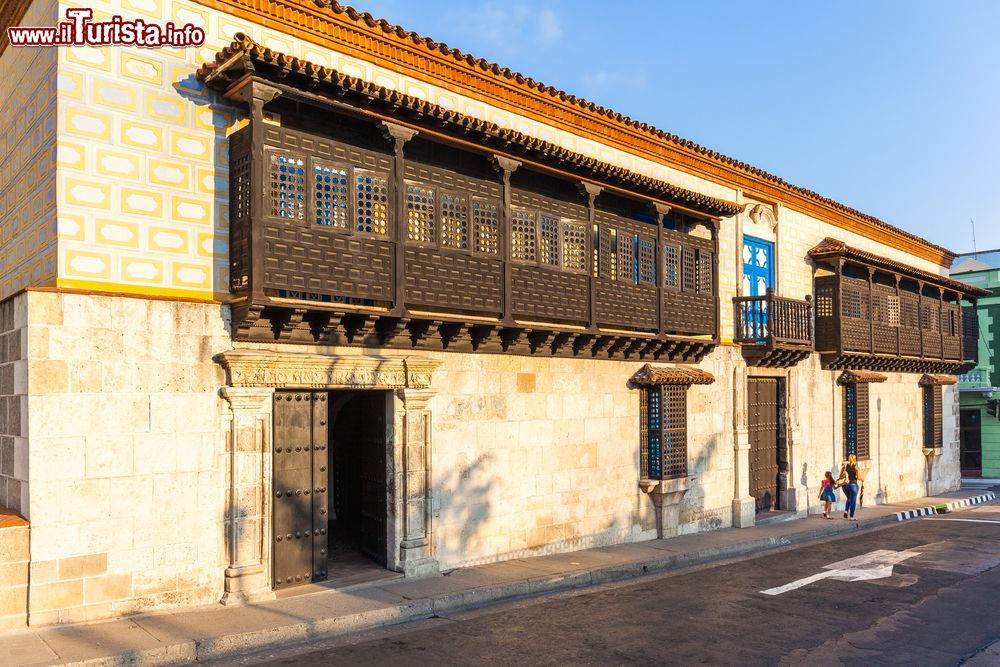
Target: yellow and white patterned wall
27, 155
143, 168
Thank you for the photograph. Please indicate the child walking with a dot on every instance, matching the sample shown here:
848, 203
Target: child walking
827, 495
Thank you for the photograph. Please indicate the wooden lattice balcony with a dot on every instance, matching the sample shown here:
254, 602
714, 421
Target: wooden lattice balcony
773, 330
873, 312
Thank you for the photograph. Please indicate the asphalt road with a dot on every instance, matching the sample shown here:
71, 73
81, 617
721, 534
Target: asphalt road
938, 605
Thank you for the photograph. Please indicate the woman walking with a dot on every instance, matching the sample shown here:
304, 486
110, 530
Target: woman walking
851, 472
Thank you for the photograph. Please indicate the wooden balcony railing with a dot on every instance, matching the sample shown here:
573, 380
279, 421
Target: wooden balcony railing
773, 321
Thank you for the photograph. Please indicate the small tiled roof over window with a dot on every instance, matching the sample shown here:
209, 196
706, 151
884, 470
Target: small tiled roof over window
937, 380
654, 376
860, 377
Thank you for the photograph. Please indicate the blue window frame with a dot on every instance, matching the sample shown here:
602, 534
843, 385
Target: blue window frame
758, 266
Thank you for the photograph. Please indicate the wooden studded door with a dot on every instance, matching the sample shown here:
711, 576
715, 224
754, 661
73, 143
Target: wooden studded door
762, 397
299, 465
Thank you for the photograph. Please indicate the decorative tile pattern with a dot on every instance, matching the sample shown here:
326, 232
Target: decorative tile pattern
27, 161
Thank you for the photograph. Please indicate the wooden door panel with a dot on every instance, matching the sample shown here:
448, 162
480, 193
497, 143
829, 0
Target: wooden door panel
299, 488
762, 397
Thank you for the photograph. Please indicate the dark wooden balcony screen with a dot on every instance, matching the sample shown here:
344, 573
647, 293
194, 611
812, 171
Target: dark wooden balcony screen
325, 220
876, 318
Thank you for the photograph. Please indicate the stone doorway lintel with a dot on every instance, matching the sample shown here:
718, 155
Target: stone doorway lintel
252, 375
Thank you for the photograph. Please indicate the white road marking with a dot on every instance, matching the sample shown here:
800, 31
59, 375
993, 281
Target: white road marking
969, 520
872, 565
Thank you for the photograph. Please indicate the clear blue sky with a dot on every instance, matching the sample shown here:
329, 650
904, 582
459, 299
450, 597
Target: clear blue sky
889, 106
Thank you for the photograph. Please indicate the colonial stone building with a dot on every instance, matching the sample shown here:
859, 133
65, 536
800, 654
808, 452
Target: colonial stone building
327, 298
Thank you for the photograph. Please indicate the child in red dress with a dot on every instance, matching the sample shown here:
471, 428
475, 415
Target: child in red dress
827, 495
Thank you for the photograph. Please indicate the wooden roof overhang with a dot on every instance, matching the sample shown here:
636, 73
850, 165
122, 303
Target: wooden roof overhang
831, 250
937, 380
655, 376
860, 377
244, 61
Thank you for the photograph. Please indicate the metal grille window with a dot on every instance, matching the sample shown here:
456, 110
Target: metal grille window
931, 318
330, 195
286, 186
603, 252
892, 310
522, 236
548, 240
663, 453
574, 246
240, 184
824, 302
420, 222
454, 221
485, 222
689, 271
646, 262
855, 304
933, 429
625, 257
856, 420
372, 202
671, 267
704, 279
908, 314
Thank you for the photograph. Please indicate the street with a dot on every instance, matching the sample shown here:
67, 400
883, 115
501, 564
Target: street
919, 593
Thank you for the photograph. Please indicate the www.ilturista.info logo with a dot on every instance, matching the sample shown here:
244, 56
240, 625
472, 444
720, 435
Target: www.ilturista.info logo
79, 30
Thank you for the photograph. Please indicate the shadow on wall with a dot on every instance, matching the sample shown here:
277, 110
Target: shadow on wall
694, 504
461, 505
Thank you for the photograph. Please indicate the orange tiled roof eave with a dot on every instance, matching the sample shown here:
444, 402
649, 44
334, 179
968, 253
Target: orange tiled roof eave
654, 376
330, 24
928, 380
248, 56
860, 377
830, 248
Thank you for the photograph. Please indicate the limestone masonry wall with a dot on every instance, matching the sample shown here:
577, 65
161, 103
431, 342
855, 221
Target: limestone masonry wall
126, 455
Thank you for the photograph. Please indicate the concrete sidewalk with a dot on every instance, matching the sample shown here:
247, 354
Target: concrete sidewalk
212, 632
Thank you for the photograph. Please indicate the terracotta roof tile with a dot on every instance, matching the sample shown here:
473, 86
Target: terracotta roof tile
652, 376
937, 380
858, 377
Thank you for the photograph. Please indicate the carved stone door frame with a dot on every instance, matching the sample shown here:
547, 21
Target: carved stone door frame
252, 376
792, 485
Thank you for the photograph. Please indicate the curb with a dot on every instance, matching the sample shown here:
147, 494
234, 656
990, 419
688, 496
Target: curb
194, 650
945, 508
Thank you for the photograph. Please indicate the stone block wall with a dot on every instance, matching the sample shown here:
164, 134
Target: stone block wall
13, 404
535, 456
14, 557
127, 455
